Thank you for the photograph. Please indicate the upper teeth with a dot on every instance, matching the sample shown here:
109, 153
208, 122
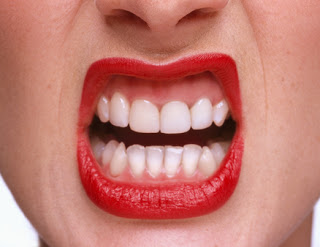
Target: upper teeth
173, 118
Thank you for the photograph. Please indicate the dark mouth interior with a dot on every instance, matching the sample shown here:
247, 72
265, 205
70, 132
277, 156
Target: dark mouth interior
106, 132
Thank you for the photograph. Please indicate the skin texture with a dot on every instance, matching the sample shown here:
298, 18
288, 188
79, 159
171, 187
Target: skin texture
46, 48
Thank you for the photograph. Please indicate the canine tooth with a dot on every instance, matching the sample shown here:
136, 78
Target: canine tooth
103, 109
144, 117
201, 114
119, 110
218, 150
119, 160
137, 159
172, 159
108, 151
97, 148
190, 158
207, 164
175, 118
154, 159
220, 112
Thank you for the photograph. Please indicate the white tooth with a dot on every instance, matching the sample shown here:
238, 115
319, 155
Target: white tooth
201, 114
155, 159
207, 164
103, 109
108, 152
119, 110
144, 117
137, 159
97, 148
119, 160
175, 118
172, 159
220, 112
218, 150
190, 158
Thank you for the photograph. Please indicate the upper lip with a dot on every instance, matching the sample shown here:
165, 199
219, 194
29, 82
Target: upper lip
159, 201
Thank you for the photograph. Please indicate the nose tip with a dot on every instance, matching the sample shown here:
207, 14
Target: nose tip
159, 15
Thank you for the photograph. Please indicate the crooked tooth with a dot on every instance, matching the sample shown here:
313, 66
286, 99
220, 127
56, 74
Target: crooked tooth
175, 118
137, 159
218, 150
119, 110
108, 151
190, 158
103, 109
154, 159
207, 164
119, 160
144, 117
172, 160
201, 114
220, 112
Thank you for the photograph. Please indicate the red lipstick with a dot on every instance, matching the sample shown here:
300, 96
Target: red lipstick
159, 201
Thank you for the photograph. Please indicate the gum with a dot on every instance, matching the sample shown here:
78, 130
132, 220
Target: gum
188, 89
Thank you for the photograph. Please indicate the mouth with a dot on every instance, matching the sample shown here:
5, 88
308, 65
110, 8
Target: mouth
160, 141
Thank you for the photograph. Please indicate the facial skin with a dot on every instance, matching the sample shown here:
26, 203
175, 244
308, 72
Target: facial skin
46, 48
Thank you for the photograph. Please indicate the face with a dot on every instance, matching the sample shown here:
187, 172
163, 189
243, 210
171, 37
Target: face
46, 49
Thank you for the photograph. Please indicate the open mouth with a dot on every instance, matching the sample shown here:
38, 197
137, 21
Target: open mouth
160, 141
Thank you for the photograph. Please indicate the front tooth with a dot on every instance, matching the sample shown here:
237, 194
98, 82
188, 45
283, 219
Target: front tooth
103, 109
154, 159
175, 118
108, 151
190, 158
207, 164
172, 160
220, 112
119, 110
218, 150
201, 114
119, 160
137, 159
144, 117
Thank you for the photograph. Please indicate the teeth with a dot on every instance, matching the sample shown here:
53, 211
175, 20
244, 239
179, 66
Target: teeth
119, 110
119, 160
155, 159
218, 150
144, 117
103, 109
190, 159
97, 148
220, 112
201, 114
137, 159
207, 164
172, 160
109, 151
175, 118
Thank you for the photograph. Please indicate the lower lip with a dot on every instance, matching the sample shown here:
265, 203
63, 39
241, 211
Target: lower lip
162, 201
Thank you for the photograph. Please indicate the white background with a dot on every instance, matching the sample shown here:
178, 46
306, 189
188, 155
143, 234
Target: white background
16, 231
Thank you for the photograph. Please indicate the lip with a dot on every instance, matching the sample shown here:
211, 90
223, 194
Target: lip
163, 201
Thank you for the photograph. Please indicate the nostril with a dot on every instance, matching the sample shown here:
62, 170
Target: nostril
197, 15
126, 17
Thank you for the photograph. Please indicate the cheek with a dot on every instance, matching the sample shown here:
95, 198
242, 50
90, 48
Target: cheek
288, 34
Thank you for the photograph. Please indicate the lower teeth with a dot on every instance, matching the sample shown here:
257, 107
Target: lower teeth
158, 162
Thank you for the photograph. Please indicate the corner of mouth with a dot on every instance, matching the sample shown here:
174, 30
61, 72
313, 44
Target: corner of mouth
146, 146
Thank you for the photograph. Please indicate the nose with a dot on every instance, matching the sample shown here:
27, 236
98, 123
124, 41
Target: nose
160, 16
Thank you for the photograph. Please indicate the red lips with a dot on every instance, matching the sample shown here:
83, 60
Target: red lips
161, 201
